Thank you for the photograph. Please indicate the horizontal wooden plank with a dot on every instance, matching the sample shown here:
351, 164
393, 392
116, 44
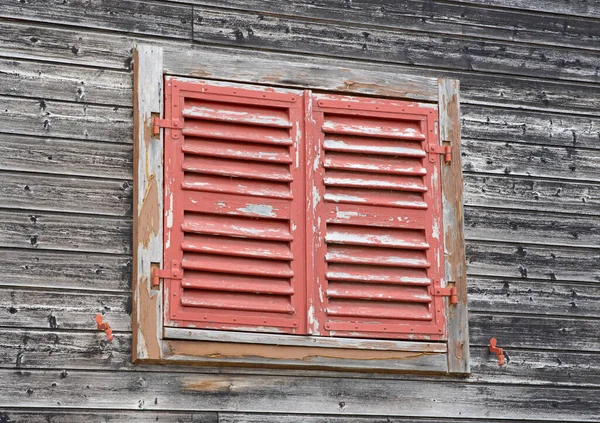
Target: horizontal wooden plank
548, 229
66, 157
50, 349
579, 8
569, 163
58, 193
494, 295
158, 19
538, 262
487, 123
114, 51
50, 231
535, 332
71, 270
435, 16
209, 392
15, 415
65, 120
31, 308
67, 83
530, 193
249, 29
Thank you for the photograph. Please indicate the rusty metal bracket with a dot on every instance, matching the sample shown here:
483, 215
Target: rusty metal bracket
445, 150
173, 272
174, 124
498, 351
104, 326
449, 291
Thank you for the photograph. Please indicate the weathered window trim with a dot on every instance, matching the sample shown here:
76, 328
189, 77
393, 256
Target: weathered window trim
152, 343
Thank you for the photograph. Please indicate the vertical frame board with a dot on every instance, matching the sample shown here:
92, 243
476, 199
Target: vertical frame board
454, 241
147, 203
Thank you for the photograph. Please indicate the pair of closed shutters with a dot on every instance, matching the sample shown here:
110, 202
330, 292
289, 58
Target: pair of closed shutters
301, 213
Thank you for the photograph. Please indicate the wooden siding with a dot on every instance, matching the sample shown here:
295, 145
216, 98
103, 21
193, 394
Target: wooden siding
530, 96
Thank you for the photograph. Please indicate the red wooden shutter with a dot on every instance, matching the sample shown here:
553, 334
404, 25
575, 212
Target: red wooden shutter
234, 207
376, 219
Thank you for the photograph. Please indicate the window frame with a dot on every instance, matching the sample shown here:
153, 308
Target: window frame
154, 343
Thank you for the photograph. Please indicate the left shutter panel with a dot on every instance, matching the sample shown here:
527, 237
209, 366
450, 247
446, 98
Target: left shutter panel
234, 207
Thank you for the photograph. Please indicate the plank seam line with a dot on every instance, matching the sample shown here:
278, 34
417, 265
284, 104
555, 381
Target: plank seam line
52, 137
540, 244
585, 183
112, 106
90, 178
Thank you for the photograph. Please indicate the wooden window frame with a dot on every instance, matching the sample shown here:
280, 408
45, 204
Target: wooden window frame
152, 343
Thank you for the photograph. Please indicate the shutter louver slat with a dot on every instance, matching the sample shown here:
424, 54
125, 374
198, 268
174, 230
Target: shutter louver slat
233, 224
377, 220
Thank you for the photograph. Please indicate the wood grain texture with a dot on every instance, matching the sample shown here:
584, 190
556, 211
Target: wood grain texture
65, 120
410, 48
66, 157
453, 223
33, 308
27, 191
66, 83
433, 16
587, 8
537, 262
531, 227
148, 186
528, 193
536, 297
69, 270
198, 392
138, 17
52, 231
98, 416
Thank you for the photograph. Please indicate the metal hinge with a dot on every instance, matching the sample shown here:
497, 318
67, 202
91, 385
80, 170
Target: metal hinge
174, 124
174, 272
446, 150
449, 291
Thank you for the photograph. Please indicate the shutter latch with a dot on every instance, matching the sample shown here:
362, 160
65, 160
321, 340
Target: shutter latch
446, 150
449, 291
167, 123
174, 272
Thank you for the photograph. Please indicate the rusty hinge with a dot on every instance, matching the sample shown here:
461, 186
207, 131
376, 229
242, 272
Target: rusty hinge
449, 291
446, 150
167, 123
173, 272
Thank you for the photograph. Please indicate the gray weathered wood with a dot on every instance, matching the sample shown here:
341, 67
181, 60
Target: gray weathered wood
71, 270
569, 163
433, 16
65, 120
66, 157
147, 240
64, 416
453, 233
534, 297
587, 8
494, 124
547, 229
528, 193
529, 261
376, 397
58, 193
250, 29
32, 308
158, 19
67, 83
67, 232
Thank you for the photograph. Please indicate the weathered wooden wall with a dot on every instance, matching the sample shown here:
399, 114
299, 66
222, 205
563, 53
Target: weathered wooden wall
529, 74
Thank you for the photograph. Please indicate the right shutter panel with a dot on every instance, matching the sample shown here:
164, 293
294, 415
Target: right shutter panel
376, 212
234, 198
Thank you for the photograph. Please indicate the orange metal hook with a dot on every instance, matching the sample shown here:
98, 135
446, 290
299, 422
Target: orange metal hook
105, 326
498, 351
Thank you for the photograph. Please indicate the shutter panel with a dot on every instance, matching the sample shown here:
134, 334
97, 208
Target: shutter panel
234, 201
376, 214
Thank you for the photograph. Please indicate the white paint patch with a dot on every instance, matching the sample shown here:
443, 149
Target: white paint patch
436, 229
170, 212
311, 319
316, 197
263, 210
348, 214
342, 197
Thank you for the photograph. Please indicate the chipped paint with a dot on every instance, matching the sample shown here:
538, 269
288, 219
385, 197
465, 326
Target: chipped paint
263, 210
149, 215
